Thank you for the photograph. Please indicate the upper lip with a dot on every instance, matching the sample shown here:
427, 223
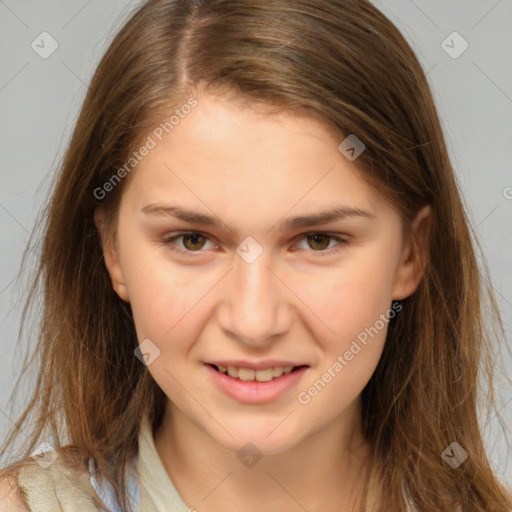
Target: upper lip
260, 365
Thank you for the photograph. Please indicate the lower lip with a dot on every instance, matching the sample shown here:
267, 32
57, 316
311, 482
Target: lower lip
254, 392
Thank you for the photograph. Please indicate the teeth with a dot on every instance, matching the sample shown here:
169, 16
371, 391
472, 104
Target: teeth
233, 372
277, 371
248, 374
264, 375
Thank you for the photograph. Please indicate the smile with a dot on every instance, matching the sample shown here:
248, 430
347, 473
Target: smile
248, 374
250, 386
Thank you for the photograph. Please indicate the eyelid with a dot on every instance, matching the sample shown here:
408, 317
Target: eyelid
342, 239
169, 238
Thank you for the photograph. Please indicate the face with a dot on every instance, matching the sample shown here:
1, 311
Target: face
225, 259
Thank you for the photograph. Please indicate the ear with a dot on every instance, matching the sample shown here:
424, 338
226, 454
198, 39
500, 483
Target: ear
413, 261
110, 255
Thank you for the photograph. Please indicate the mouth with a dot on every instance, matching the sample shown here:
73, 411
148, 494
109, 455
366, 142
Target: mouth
256, 386
252, 375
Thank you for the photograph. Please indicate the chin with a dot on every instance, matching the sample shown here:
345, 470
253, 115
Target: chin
257, 439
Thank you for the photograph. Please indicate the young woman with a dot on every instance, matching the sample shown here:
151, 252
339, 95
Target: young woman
260, 287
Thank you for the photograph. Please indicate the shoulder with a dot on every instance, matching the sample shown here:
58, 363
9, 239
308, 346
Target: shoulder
11, 499
55, 485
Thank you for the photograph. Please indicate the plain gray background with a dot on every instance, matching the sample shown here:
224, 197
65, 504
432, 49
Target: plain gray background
40, 97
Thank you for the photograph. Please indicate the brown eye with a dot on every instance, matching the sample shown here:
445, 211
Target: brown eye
188, 243
319, 241
322, 244
193, 241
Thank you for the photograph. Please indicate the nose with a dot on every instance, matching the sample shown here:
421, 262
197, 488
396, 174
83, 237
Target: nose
255, 309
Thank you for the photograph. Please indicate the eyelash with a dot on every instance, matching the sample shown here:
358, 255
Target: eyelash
169, 239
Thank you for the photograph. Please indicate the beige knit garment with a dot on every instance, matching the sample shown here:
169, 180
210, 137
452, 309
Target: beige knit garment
157, 492
56, 489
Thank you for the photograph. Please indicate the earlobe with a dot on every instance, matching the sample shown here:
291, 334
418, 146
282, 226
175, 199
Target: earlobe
111, 256
414, 256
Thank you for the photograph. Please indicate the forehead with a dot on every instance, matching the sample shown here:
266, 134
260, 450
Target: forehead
227, 154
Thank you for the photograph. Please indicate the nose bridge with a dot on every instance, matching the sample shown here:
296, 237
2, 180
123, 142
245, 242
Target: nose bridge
255, 308
255, 282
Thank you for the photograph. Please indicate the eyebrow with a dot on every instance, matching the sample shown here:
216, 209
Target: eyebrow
313, 219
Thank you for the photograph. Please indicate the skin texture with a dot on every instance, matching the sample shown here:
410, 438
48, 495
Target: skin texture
10, 498
301, 300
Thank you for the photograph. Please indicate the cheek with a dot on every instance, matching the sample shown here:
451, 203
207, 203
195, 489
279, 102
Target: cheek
358, 311
353, 305
161, 295
351, 298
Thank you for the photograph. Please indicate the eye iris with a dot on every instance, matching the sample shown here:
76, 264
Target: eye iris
316, 238
193, 237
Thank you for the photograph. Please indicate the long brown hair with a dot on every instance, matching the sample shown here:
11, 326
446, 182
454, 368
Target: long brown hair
345, 63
